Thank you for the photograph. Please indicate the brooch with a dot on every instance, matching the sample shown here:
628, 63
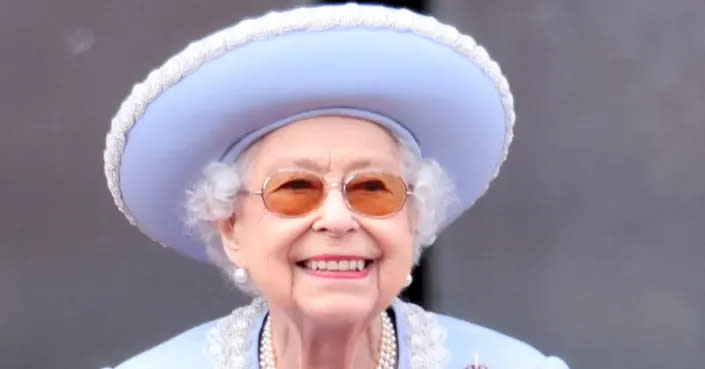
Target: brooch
476, 363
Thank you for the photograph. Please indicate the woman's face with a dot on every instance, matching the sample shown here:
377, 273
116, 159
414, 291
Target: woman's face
277, 250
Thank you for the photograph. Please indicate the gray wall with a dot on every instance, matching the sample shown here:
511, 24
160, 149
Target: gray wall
589, 245
80, 288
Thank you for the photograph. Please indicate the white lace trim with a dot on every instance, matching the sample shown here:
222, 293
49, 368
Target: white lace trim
277, 23
230, 345
229, 342
425, 338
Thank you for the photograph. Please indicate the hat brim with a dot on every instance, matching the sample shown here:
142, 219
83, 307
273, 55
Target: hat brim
450, 96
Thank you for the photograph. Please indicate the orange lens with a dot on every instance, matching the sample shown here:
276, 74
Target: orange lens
375, 194
293, 193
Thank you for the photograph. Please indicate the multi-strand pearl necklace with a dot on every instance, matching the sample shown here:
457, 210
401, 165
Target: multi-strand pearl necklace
387, 348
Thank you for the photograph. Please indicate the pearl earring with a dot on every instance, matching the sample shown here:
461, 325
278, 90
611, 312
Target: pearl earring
409, 279
240, 275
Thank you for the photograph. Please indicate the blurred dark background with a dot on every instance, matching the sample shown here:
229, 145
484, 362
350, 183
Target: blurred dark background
588, 246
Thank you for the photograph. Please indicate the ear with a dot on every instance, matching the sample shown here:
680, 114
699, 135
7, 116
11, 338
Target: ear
412, 212
229, 240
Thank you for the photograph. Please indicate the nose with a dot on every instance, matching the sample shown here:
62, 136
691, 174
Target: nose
334, 217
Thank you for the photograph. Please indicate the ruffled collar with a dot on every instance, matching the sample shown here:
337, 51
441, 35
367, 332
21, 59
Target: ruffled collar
232, 343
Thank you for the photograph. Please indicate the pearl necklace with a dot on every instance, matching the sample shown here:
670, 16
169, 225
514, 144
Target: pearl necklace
387, 348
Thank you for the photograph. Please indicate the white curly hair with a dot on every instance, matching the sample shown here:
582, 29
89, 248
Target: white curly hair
212, 199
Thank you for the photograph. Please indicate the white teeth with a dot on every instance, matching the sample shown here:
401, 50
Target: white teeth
341, 265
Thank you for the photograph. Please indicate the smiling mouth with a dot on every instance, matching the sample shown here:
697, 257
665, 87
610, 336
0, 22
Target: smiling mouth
349, 265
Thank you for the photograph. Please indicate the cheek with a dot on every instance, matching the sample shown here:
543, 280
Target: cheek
263, 235
394, 238
266, 245
398, 236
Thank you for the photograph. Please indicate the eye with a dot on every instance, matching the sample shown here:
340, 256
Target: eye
296, 184
371, 185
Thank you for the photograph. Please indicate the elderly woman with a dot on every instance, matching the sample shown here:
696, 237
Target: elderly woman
316, 152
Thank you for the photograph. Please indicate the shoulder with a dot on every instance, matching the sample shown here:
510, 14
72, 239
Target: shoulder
223, 341
184, 351
434, 338
495, 350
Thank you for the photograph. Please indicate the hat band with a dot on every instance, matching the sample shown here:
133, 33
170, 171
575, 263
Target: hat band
396, 128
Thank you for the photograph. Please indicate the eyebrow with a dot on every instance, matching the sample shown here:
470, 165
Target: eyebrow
317, 167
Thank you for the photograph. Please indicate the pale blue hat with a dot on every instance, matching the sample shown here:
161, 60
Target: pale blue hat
417, 77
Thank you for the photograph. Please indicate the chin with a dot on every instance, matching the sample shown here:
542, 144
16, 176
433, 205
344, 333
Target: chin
339, 309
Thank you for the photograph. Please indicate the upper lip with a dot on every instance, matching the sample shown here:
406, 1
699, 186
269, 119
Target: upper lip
335, 257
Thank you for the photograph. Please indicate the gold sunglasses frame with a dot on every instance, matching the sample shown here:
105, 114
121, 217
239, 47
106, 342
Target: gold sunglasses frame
408, 191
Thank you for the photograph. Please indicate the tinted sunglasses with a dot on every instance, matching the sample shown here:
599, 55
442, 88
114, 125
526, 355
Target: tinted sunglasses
298, 192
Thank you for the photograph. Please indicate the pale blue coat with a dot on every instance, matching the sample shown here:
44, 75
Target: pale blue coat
462, 341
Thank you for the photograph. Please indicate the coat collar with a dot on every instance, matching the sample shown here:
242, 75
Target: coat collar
233, 342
